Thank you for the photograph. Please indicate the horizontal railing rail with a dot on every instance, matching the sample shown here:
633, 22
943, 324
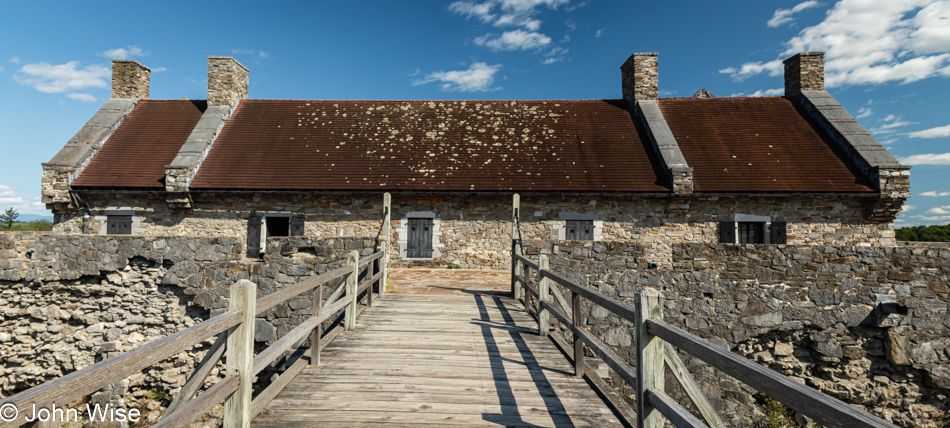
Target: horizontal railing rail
656, 343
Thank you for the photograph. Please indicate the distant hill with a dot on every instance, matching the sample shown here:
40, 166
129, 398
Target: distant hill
33, 217
935, 233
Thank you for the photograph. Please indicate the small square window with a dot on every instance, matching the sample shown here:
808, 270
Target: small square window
751, 232
579, 230
119, 225
277, 226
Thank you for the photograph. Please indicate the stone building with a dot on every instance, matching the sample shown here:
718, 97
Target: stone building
795, 169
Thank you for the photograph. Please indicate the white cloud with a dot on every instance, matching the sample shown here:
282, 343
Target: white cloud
938, 132
124, 53
768, 92
159, 69
15, 60
865, 112
934, 194
906, 208
944, 210
513, 41
872, 42
891, 122
86, 98
927, 159
550, 61
59, 78
784, 16
940, 218
479, 77
1, 69
599, 32
749, 69
9, 198
260, 54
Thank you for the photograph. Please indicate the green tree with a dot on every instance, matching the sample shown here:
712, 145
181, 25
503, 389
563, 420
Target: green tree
9, 216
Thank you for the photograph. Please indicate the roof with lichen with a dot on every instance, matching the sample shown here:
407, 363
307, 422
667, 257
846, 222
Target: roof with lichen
583, 146
734, 145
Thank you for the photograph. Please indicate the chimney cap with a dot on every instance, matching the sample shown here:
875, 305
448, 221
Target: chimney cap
801, 54
228, 58
132, 61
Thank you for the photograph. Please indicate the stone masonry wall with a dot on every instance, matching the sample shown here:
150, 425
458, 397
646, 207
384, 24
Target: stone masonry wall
819, 314
475, 229
78, 299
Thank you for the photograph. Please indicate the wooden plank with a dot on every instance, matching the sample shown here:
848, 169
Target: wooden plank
317, 332
544, 324
678, 416
282, 295
562, 301
622, 409
363, 418
97, 376
619, 308
384, 245
200, 406
197, 378
578, 339
614, 361
824, 409
527, 262
650, 366
276, 349
366, 260
689, 385
267, 395
240, 355
368, 282
352, 261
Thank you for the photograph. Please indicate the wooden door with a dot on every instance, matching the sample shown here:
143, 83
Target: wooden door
419, 239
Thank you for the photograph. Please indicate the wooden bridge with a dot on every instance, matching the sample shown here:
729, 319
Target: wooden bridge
472, 359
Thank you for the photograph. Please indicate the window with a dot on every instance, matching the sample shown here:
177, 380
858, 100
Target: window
260, 227
751, 232
579, 230
419, 239
277, 226
119, 225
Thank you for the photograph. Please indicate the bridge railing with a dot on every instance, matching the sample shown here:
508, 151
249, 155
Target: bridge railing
235, 342
655, 350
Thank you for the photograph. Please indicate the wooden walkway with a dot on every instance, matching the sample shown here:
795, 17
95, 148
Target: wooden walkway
471, 359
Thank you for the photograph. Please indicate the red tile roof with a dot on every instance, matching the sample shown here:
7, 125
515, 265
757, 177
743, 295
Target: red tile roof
583, 146
136, 154
756, 145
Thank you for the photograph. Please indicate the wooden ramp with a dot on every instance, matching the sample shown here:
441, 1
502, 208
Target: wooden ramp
462, 360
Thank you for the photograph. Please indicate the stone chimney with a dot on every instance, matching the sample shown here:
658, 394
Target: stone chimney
129, 79
227, 81
805, 72
639, 77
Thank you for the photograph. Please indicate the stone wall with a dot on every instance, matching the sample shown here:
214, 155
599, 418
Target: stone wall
869, 326
475, 229
78, 299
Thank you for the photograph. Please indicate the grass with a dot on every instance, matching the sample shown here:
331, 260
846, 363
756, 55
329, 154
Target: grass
33, 226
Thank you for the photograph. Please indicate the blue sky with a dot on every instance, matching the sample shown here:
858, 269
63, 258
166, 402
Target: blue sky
887, 61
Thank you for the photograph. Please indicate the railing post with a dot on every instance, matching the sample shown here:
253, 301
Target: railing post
384, 261
515, 244
318, 330
371, 271
240, 354
352, 259
578, 343
650, 364
544, 283
517, 270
